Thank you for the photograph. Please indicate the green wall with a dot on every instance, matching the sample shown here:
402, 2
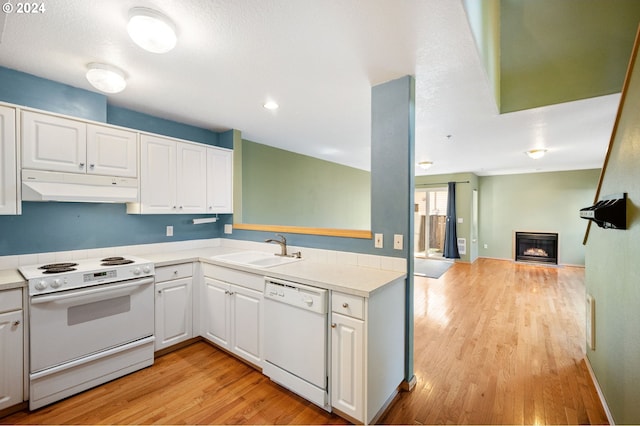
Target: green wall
464, 205
284, 188
613, 271
543, 202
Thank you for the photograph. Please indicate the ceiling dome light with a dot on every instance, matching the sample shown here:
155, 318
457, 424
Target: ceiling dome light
536, 153
106, 78
271, 105
425, 165
151, 30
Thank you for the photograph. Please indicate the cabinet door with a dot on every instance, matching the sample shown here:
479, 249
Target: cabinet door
173, 312
347, 365
157, 175
11, 358
215, 312
246, 324
8, 183
191, 178
53, 143
219, 180
112, 152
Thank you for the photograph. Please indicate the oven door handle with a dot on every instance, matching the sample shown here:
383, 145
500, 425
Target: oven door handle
90, 292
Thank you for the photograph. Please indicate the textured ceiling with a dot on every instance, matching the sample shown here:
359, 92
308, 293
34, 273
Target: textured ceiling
318, 59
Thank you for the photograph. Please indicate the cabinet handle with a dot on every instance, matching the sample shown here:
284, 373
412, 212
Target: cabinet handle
91, 166
180, 206
334, 325
16, 323
174, 207
231, 293
175, 272
159, 291
82, 165
345, 305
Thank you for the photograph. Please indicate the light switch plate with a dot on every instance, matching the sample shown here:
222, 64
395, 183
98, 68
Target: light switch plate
228, 228
169, 231
378, 241
460, 220
397, 241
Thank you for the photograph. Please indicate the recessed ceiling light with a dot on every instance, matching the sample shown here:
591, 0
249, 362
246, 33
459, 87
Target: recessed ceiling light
425, 165
106, 78
536, 153
151, 30
271, 105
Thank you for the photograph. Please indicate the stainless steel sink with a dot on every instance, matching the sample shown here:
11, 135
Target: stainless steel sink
257, 259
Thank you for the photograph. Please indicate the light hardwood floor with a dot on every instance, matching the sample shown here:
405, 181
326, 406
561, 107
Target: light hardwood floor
495, 343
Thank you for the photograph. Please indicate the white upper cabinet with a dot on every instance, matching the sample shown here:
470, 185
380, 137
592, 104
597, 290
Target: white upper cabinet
157, 175
219, 180
8, 181
53, 143
173, 176
191, 179
64, 145
112, 152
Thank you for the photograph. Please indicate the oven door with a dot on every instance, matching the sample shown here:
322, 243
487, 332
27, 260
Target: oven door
72, 324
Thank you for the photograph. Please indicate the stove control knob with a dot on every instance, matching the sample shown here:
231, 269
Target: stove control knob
146, 269
55, 283
41, 285
136, 271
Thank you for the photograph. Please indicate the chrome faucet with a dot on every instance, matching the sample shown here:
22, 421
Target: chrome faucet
283, 244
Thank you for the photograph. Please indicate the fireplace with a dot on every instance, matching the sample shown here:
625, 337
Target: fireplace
538, 247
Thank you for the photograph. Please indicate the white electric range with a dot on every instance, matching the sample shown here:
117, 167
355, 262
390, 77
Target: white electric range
90, 321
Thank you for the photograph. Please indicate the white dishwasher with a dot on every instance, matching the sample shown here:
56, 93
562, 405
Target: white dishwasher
295, 338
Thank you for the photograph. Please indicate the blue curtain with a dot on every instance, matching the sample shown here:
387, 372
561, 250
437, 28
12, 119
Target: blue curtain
450, 234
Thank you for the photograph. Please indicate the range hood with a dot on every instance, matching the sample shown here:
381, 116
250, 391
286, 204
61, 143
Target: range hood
40, 185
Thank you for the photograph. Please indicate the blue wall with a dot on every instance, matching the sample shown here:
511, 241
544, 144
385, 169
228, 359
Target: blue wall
49, 226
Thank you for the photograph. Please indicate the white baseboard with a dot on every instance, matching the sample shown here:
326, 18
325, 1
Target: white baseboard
600, 394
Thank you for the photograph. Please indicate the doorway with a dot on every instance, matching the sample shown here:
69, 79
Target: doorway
430, 218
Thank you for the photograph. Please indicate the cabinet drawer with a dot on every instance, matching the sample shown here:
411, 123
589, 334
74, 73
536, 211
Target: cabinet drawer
347, 304
173, 272
11, 300
233, 276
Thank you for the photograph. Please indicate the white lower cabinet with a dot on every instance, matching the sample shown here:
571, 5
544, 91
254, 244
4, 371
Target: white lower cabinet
174, 301
367, 351
11, 348
347, 367
231, 313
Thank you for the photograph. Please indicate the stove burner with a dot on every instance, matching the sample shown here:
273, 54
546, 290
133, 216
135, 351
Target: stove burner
62, 265
58, 270
115, 261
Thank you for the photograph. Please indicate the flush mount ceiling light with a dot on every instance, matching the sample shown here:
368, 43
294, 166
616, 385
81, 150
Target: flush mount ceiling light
536, 153
151, 30
271, 105
106, 78
425, 165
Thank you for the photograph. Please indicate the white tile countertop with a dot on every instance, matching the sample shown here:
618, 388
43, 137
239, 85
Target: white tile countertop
351, 279
350, 273
11, 278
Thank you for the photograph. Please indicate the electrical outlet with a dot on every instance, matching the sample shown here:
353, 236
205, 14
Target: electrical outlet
169, 231
228, 228
378, 241
460, 220
486, 246
397, 241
